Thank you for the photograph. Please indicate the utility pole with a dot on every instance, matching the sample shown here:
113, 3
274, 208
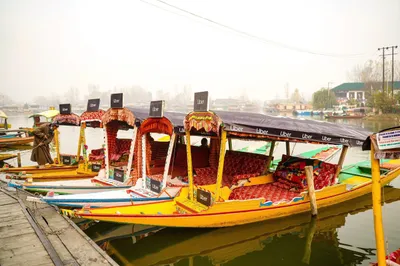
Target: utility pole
393, 47
383, 68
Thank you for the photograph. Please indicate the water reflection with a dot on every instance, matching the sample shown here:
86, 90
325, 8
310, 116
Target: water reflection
298, 240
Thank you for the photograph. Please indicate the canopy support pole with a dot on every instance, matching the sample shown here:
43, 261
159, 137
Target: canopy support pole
341, 161
189, 164
131, 152
377, 208
230, 144
79, 150
57, 140
85, 152
220, 165
106, 155
144, 161
288, 148
168, 160
269, 160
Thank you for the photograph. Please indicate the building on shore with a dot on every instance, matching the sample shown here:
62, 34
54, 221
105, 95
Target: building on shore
360, 90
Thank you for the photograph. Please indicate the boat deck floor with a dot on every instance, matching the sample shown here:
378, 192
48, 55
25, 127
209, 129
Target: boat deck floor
33, 234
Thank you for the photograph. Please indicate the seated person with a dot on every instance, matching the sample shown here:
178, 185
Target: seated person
204, 143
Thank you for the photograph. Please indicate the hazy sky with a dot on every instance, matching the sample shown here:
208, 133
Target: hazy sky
49, 45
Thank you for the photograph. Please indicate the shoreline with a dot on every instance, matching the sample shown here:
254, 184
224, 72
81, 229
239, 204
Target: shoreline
383, 117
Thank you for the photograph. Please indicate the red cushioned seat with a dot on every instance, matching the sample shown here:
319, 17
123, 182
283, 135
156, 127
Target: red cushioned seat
269, 192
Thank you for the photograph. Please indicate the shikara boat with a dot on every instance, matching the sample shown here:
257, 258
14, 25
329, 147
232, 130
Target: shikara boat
44, 117
223, 245
344, 116
114, 154
4, 121
12, 138
153, 173
233, 193
64, 165
22, 138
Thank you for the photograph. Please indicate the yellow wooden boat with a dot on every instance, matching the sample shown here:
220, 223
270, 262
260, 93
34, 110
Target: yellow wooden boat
16, 141
21, 137
224, 244
3, 121
67, 166
251, 196
7, 156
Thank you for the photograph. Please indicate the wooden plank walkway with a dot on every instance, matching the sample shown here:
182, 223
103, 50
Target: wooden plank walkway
19, 242
36, 234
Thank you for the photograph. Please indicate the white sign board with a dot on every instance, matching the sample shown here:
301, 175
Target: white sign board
388, 140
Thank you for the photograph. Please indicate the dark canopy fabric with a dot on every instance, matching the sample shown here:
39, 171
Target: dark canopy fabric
140, 114
294, 128
176, 118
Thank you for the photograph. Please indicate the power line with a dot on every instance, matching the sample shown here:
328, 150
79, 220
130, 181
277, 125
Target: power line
247, 34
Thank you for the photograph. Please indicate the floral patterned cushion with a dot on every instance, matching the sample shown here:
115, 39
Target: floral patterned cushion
291, 173
269, 192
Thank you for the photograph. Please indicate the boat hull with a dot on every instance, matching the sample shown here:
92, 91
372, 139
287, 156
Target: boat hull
230, 213
116, 197
79, 186
35, 169
7, 142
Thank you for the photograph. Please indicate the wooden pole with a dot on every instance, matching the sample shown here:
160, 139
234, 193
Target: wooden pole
287, 148
311, 191
78, 153
57, 140
377, 208
19, 159
220, 165
131, 154
341, 161
107, 160
310, 236
189, 164
144, 161
269, 160
168, 160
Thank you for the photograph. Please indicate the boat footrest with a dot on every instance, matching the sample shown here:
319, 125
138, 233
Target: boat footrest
190, 206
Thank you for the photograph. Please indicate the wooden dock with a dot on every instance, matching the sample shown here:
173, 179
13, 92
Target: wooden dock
36, 234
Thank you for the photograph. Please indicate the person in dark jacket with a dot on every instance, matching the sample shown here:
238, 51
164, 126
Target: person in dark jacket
43, 134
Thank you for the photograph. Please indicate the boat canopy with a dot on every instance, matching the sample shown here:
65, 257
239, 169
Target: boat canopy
131, 116
3, 115
67, 120
92, 119
169, 123
47, 114
260, 126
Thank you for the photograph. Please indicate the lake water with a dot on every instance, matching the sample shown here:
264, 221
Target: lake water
341, 235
